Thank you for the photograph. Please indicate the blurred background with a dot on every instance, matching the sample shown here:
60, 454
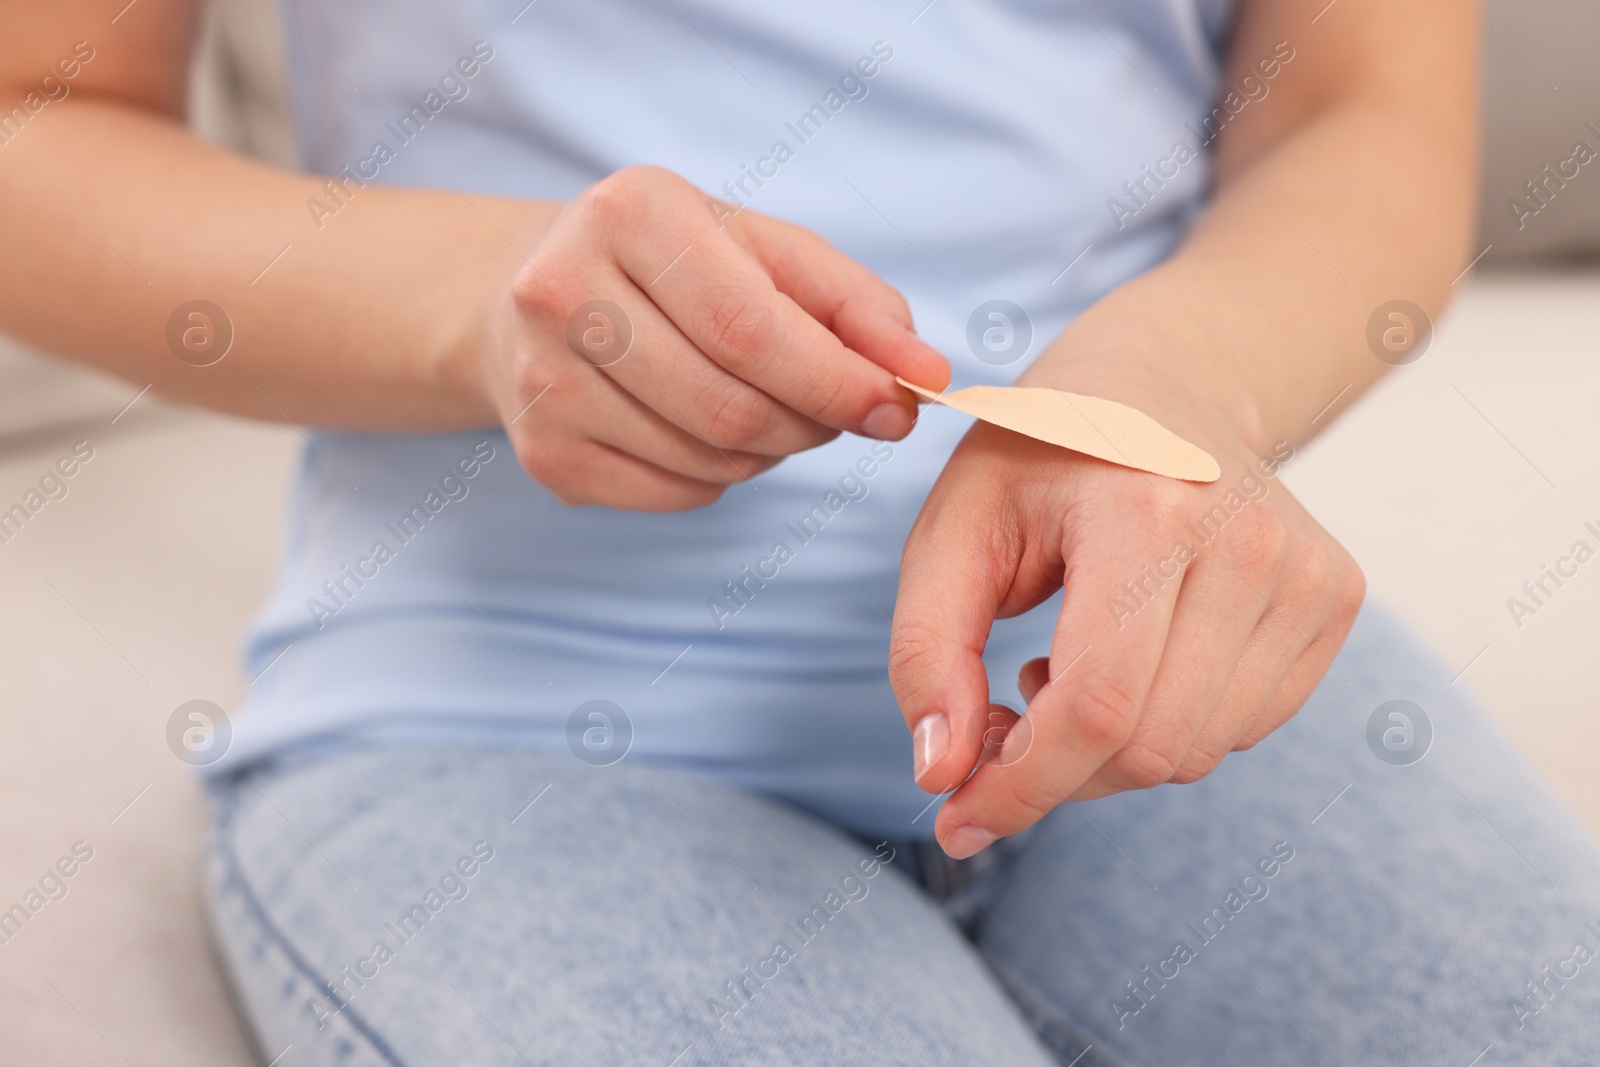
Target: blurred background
1460, 478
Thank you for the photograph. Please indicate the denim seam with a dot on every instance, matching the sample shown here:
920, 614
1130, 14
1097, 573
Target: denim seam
1052, 1028
236, 879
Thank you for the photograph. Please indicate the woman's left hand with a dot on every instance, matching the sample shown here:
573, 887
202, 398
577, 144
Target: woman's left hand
1196, 618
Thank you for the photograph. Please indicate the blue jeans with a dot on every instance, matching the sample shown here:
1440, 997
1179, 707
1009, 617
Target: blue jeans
1319, 900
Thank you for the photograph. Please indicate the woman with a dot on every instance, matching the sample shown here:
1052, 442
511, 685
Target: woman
528, 781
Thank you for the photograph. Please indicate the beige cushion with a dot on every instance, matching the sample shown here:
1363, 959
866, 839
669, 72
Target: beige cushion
1541, 83
1542, 88
38, 393
241, 99
126, 599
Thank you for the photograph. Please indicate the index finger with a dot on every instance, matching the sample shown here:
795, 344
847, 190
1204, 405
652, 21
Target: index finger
1101, 665
952, 580
727, 305
865, 312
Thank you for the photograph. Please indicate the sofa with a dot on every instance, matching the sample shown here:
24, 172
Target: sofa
1454, 483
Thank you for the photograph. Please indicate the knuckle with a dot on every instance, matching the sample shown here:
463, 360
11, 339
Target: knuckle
535, 294
532, 457
566, 475
736, 416
912, 648
572, 498
1315, 568
754, 463
527, 289
826, 395
1103, 713
1142, 766
1352, 588
1028, 806
685, 497
645, 177
621, 199
730, 468
545, 301
1301, 599
622, 183
741, 329
1326, 575
1157, 495
1010, 803
704, 495
529, 375
1195, 767
1261, 540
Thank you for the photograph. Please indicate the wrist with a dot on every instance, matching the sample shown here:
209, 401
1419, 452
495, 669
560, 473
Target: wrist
1166, 366
481, 319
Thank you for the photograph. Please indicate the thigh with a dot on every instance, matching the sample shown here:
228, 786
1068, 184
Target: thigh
1314, 901
455, 905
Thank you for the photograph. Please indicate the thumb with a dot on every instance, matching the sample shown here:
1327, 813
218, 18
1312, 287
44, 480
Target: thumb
950, 589
1033, 676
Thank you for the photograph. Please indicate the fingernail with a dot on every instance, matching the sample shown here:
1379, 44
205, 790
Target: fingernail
887, 422
968, 840
930, 739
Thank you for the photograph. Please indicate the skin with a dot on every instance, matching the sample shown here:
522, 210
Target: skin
760, 340
1347, 186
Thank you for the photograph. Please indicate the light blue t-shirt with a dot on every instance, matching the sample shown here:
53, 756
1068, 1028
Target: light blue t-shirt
965, 150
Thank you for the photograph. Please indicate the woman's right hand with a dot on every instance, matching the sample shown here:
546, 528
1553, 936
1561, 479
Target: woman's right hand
726, 341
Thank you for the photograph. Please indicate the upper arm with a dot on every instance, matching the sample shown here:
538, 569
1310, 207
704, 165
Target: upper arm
135, 53
1412, 60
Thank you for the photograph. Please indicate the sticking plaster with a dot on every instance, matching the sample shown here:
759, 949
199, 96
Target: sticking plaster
1104, 429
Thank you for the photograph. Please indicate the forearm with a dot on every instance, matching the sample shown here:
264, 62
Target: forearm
1264, 309
367, 315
